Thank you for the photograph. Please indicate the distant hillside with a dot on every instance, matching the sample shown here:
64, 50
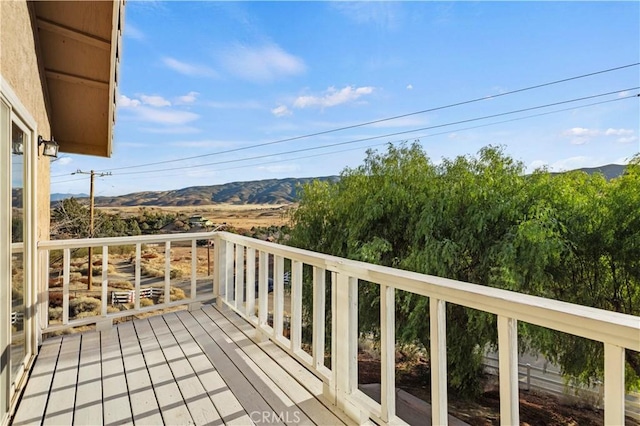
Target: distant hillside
609, 171
58, 196
270, 191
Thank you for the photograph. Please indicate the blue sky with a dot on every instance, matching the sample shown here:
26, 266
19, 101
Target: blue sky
200, 79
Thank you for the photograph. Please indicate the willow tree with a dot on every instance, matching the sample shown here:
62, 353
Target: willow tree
480, 219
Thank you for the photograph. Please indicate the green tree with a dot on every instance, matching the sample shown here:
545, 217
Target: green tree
480, 219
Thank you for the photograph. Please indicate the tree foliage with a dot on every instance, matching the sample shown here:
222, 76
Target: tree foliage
572, 237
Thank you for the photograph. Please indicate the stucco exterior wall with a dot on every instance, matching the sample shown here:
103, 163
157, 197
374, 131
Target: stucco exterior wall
20, 68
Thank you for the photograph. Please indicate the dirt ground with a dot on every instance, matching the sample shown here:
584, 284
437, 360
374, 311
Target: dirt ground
536, 409
238, 216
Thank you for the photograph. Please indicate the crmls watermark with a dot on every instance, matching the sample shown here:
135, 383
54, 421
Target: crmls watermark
270, 417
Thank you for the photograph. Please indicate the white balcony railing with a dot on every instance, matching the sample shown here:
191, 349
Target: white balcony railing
239, 262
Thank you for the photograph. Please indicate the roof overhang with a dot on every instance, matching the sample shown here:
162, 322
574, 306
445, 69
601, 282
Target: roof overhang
80, 47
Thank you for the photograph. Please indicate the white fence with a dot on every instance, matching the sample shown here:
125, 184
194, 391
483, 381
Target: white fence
548, 379
238, 259
17, 318
118, 297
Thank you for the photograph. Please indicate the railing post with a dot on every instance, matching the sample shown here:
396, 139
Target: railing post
228, 271
508, 365
105, 279
438, 330
296, 305
614, 394
218, 283
263, 294
194, 268
388, 352
167, 272
66, 270
278, 295
345, 339
136, 294
319, 316
239, 277
250, 307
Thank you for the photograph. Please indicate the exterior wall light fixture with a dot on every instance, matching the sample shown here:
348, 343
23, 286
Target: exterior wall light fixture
50, 147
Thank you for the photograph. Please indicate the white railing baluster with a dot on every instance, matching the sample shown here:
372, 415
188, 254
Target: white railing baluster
194, 268
229, 295
388, 352
508, 366
250, 307
319, 317
136, 293
278, 296
263, 291
346, 339
105, 279
296, 305
239, 276
167, 272
217, 261
66, 270
438, 330
614, 394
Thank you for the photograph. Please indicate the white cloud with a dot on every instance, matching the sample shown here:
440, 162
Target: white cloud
629, 139
623, 94
581, 135
64, 161
333, 97
191, 70
165, 115
618, 132
573, 163
536, 164
409, 86
262, 64
382, 14
281, 111
126, 102
154, 100
189, 98
133, 32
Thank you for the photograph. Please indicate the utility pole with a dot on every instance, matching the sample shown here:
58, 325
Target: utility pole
91, 196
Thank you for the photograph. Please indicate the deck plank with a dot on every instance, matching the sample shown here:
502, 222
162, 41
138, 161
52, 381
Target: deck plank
195, 396
248, 396
313, 408
280, 403
36, 394
170, 401
88, 408
63, 389
116, 405
223, 399
144, 404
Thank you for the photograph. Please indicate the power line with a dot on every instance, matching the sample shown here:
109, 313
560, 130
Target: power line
382, 119
414, 137
382, 136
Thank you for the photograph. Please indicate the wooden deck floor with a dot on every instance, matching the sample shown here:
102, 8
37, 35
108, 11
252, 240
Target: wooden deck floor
180, 368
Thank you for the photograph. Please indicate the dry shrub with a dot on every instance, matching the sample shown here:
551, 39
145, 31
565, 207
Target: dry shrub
122, 285
150, 255
174, 294
146, 302
81, 305
55, 314
55, 282
112, 309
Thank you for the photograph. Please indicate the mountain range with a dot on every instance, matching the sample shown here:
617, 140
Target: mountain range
269, 191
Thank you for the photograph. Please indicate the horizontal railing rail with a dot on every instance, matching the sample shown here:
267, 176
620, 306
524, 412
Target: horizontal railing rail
242, 261
106, 315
